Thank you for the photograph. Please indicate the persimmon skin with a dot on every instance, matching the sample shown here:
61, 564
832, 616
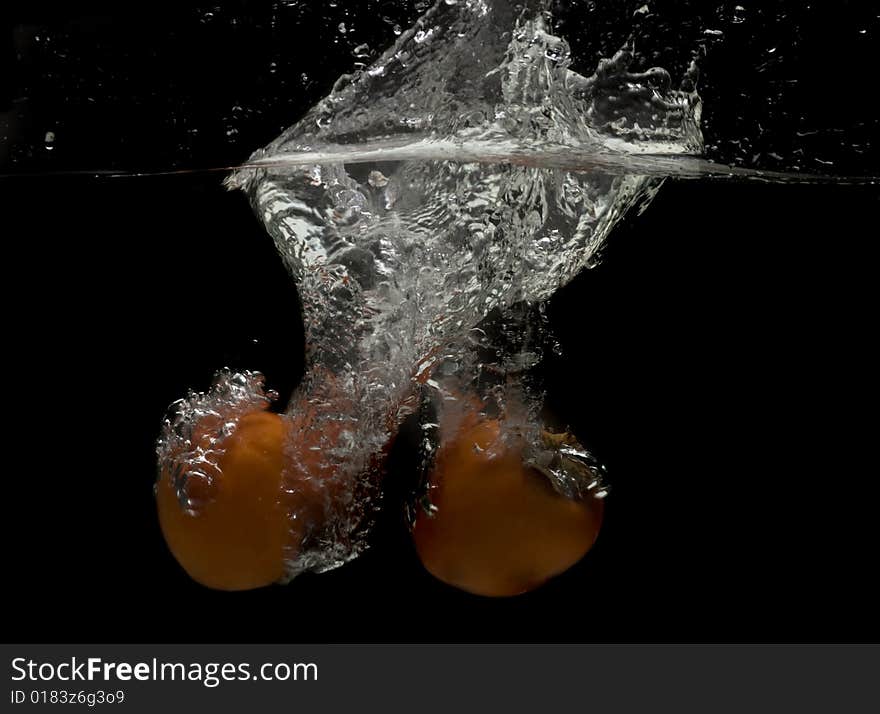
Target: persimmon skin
236, 540
498, 528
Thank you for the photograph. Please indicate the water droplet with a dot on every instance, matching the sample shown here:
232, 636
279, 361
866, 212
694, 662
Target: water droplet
377, 179
50, 140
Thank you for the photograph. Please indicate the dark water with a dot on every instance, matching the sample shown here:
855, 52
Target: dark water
725, 377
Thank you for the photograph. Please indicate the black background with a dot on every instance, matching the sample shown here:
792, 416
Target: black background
719, 361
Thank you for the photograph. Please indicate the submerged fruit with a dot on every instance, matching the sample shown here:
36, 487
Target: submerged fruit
236, 540
498, 527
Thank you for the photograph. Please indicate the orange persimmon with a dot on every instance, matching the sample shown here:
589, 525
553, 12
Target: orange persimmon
236, 540
498, 528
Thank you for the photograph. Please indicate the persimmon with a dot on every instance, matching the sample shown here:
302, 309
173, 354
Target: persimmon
497, 527
236, 539
269, 488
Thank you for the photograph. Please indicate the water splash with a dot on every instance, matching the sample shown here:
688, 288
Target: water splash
466, 171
